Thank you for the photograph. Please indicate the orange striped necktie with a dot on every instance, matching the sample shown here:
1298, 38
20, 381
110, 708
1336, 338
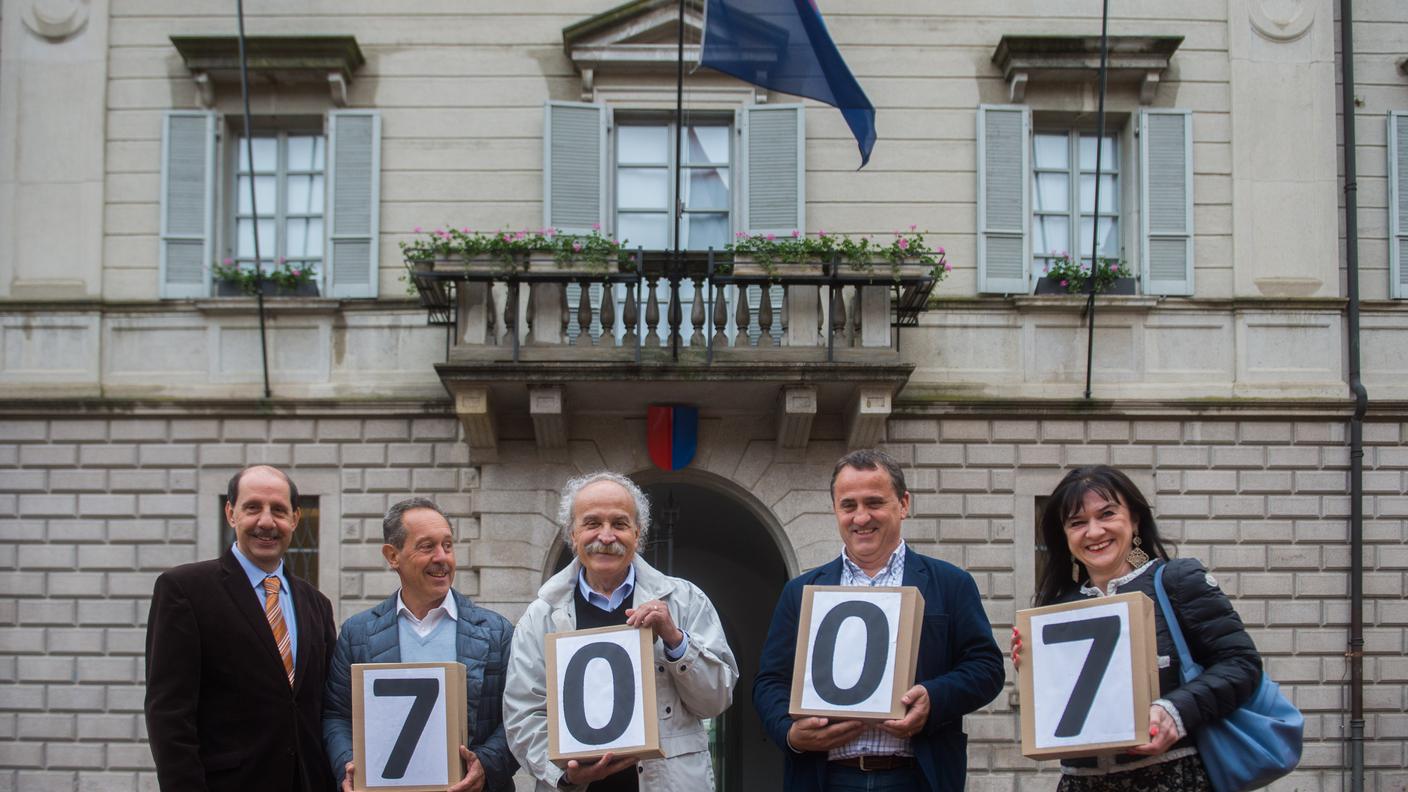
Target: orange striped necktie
275, 615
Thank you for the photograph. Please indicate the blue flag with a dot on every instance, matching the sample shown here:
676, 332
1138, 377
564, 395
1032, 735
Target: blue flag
782, 45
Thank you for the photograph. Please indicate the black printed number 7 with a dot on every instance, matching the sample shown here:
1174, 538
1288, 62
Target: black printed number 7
1103, 633
425, 692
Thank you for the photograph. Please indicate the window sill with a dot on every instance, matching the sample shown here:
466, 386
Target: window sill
244, 305
1068, 302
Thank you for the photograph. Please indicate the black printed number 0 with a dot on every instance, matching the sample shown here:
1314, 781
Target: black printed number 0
1103, 632
425, 692
872, 667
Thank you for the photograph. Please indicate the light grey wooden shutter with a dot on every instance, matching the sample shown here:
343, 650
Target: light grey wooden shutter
574, 166
774, 169
187, 202
1004, 215
1166, 200
1398, 205
354, 190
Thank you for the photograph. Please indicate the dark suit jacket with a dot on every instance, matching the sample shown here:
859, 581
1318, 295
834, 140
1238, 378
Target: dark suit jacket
220, 713
959, 664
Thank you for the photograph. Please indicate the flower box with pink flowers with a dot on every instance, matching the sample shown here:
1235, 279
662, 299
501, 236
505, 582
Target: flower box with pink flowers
905, 256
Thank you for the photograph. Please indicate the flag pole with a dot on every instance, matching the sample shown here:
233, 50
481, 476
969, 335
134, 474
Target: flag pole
677, 256
1095, 209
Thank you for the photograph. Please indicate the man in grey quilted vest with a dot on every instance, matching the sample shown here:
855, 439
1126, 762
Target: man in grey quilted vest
426, 621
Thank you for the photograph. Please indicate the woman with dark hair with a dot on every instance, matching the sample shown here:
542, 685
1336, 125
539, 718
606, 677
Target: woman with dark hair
1101, 540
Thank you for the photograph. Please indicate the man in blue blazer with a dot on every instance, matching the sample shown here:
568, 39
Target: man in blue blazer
960, 666
426, 621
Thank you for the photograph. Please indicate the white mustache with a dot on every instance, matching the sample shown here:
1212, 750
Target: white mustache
598, 547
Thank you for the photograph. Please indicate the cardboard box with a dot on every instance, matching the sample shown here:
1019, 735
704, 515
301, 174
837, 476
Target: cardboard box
561, 649
456, 725
1125, 688
884, 704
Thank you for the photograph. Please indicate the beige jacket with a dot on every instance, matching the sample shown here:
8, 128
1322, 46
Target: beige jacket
699, 685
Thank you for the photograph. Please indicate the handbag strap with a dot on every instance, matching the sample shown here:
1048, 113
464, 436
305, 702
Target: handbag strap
1188, 668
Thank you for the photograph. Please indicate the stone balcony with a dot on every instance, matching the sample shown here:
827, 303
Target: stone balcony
540, 342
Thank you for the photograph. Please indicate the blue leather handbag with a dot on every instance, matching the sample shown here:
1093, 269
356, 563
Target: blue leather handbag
1251, 747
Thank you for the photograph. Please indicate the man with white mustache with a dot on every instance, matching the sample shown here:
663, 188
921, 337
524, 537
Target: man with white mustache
426, 621
604, 517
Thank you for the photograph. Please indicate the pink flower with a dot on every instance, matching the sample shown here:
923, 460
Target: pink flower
596, 226
279, 261
576, 247
1064, 283
941, 251
771, 237
227, 262
417, 229
913, 227
465, 230
740, 234
903, 243
550, 232
796, 233
298, 273
821, 234
948, 267
521, 235
613, 240
508, 237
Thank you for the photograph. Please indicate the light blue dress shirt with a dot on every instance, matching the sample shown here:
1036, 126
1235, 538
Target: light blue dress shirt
256, 579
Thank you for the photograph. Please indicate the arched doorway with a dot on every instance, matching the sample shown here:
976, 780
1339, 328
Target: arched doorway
705, 531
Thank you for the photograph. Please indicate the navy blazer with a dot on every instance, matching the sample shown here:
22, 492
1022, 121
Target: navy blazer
959, 664
482, 643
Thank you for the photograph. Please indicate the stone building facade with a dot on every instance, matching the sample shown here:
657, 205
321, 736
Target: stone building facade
130, 391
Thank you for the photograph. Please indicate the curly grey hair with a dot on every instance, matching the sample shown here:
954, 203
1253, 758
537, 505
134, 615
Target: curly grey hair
574, 487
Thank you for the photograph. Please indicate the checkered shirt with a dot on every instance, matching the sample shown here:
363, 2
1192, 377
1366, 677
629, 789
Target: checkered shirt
873, 741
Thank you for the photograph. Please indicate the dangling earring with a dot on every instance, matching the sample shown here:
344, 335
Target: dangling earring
1136, 555
1075, 571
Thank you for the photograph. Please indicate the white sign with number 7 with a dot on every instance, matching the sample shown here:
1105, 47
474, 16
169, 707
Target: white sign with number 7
1088, 676
408, 721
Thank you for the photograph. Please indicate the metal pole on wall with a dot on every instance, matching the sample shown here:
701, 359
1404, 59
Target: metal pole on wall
1095, 208
253, 207
1355, 654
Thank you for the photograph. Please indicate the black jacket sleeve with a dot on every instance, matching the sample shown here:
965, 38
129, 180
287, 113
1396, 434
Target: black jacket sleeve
1217, 641
173, 687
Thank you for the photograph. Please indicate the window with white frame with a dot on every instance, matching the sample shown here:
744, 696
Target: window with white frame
289, 194
316, 193
614, 170
1036, 198
1064, 215
644, 187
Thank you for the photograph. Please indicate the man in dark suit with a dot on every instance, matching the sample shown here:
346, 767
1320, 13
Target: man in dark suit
959, 670
237, 655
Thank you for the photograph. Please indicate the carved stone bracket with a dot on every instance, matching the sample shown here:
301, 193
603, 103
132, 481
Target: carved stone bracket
865, 420
1024, 60
796, 409
476, 414
545, 404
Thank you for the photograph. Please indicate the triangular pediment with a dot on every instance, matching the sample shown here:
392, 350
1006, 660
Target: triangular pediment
636, 36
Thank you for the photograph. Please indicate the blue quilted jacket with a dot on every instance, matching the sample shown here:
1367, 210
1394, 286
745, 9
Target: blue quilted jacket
482, 645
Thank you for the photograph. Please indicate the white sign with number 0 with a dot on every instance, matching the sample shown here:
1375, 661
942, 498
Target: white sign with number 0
405, 727
853, 635
603, 706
